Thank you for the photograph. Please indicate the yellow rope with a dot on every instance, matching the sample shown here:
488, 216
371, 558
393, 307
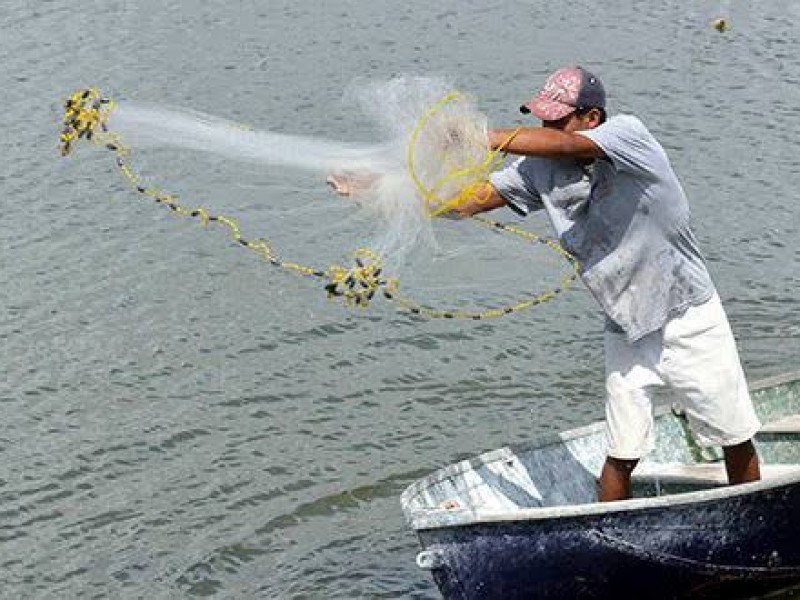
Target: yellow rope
86, 115
436, 206
478, 173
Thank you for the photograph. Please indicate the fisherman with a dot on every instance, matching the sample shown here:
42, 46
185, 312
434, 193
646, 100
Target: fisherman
616, 204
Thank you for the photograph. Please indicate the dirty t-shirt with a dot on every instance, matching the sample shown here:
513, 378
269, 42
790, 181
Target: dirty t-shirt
625, 218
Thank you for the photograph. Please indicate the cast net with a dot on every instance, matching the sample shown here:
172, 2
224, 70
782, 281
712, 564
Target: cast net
433, 156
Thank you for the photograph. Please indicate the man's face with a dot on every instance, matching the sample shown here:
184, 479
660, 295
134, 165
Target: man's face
574, 122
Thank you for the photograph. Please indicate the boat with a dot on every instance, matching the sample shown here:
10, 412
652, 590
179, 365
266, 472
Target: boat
524, 521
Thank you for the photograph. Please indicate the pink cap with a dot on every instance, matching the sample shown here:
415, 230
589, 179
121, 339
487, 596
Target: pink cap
564, 91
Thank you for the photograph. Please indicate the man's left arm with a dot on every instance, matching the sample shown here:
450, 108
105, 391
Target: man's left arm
544, 142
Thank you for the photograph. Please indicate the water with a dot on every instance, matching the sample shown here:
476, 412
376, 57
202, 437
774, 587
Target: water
182, 420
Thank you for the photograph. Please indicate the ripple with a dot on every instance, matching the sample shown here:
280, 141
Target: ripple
181, 420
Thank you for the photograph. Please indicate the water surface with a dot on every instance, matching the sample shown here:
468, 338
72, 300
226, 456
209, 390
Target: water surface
183, 420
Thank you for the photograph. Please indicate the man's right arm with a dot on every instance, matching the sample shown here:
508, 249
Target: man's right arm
484, 197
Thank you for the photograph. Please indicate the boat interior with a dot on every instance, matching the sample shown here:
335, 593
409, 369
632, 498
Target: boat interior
565, 470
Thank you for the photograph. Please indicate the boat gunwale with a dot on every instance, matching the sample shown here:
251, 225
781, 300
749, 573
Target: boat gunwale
440, 518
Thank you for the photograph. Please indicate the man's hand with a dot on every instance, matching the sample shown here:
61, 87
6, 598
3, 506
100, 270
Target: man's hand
352, 184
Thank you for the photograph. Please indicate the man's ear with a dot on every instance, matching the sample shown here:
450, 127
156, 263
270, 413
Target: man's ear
595, 117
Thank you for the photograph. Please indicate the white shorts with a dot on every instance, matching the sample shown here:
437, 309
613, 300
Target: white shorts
694, 356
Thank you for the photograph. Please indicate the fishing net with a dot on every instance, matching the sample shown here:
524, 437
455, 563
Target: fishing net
434, 156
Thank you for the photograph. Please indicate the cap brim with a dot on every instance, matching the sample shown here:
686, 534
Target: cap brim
548, 110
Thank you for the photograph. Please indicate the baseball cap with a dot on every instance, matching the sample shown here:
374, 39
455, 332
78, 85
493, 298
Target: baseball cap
565, 91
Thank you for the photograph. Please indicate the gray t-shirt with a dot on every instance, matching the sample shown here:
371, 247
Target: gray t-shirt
625, 218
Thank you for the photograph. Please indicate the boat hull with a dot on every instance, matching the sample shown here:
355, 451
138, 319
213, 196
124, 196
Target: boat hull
732, 547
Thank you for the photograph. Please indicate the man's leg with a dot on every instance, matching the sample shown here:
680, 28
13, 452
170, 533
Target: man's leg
741, 463
631, 378
704, 367
615, 479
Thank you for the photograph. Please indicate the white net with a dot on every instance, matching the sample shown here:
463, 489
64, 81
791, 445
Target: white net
433, 140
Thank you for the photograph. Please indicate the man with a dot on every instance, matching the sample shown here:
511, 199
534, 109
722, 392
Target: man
617, 206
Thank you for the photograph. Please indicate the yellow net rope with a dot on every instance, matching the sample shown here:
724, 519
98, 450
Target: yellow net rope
469, 178
86, 117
